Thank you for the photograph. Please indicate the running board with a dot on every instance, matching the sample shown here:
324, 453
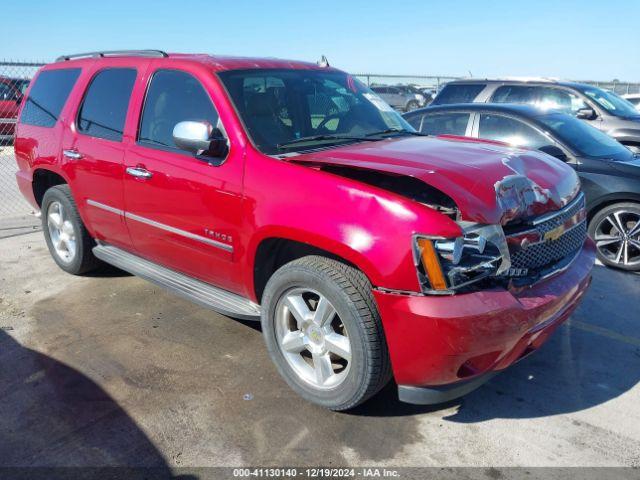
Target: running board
198, 292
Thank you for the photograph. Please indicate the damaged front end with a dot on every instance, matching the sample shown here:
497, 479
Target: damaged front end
450, 265
406, 186
516, 255
520, 214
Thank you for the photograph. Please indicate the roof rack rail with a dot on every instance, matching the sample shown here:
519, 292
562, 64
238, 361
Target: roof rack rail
115, 53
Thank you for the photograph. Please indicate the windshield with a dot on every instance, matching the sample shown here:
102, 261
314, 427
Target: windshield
611, 102
581, 137
288, 110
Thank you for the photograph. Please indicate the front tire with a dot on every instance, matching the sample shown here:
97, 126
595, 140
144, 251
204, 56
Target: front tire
68, 240
324, 333
616, 231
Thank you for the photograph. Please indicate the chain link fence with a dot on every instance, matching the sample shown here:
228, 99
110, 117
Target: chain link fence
14, 209
15, 78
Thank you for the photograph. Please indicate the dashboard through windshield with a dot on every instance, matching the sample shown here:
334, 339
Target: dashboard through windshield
286, 110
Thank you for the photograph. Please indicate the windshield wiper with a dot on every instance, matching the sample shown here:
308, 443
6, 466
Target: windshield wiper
396, 130
313, 138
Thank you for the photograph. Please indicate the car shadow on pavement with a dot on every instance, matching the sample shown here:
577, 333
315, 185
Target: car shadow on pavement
106, 271
51, 415
590, 360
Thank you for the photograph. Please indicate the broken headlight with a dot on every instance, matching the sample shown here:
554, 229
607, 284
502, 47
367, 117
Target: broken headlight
449, 265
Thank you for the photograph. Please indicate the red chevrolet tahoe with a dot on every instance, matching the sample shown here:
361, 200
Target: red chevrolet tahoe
291, 193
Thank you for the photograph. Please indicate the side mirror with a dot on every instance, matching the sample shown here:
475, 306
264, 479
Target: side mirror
199, 138
586, 114
554, 151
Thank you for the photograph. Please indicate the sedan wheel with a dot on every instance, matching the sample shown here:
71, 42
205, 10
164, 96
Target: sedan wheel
616, 232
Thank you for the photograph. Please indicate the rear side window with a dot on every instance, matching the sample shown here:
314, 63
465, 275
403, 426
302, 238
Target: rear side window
47, 97
511, 131
173, 96
542, 97
458, 93
454, 123
515, 94
105, 104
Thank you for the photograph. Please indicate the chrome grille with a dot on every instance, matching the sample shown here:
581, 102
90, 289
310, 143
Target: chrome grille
544, 254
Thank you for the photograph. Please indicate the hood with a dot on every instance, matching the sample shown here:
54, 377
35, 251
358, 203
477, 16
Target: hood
490, 183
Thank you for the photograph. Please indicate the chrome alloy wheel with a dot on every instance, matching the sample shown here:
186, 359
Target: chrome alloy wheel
617, 237
61, 232
312, 338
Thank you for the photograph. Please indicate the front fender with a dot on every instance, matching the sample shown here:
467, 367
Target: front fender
367, 226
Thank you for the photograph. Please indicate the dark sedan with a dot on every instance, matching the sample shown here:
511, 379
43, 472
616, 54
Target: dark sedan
609, 172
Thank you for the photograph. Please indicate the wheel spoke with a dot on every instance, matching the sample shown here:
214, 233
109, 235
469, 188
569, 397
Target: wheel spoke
293, 342
67, 228
338, 344
298, 308
635, 243
324, 313
635, 230
604, 240
619, 254
55, 220
322, 367
626, 252
617, 222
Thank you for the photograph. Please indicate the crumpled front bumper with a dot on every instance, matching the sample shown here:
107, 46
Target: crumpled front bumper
447, 342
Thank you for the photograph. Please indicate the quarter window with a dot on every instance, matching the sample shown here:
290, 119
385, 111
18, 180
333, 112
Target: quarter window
104, 108
173, 96
47, 97
511, 131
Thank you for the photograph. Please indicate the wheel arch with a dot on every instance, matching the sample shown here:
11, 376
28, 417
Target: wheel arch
43, 179
272, 251
611, 199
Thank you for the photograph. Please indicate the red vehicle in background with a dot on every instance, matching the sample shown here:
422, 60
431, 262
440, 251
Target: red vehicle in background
291, 193
11, 92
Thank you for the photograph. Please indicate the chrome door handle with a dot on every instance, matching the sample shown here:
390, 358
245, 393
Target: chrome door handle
139, 172
72, 154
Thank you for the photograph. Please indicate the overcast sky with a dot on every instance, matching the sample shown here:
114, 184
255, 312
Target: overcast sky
580, 40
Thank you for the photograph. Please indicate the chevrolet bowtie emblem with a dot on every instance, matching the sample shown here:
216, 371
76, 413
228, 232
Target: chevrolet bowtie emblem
554, 234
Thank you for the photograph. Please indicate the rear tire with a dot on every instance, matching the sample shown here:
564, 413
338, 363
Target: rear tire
68, 240
616, 231
324, 333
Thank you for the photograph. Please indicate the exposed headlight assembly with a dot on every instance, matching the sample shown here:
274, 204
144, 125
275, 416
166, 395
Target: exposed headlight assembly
449, 265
